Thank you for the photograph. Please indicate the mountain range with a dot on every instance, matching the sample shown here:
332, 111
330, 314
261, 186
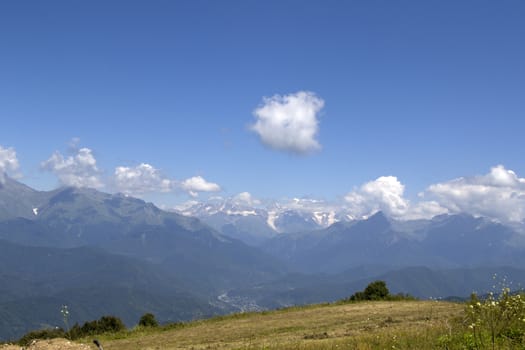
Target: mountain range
103, 253
331, 242
254, 224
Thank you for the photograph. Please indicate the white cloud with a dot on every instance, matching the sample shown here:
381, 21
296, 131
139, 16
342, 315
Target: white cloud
386, 194
424, 210
8, 162
289, 123
499, 195
383, 194
79, 170
197, 184
141, 179
246, 198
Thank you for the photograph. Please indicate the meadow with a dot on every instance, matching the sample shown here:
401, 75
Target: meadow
371, 319
363, 325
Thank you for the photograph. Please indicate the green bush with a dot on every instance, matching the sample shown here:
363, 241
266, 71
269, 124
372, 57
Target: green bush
41, 334
376, 290
148, 320
106, 324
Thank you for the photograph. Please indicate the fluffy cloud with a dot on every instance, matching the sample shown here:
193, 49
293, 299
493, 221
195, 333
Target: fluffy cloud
79, 170
197, 184
145, 178
386, 194
289, 123
499, 194
141, 179
8, 162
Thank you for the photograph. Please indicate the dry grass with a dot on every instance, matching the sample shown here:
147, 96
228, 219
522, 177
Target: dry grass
368, 325
50, 344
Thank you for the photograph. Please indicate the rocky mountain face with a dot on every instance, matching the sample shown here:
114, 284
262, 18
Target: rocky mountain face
18, 200
74, 217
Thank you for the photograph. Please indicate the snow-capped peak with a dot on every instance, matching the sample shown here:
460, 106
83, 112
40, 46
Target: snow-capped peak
285, 216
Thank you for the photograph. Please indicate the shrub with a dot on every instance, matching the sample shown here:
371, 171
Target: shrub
148, 320
106, 324
41, 334
376, 290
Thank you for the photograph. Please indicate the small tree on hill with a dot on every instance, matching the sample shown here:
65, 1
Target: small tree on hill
376, 290
148, 320
106, 324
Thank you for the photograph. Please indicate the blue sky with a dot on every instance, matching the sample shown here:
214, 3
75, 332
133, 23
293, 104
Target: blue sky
424, 91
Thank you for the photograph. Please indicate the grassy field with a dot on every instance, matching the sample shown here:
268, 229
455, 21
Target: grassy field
366, 325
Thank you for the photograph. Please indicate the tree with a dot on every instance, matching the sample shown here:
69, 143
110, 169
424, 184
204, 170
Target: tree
106, 324
148, 320
376, 290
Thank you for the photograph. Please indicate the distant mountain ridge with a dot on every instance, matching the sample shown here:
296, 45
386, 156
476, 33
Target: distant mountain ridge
73, 217
254, 224
447, 241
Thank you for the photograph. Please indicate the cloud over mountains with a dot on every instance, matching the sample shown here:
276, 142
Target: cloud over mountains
8, 162
499, 194
79, 170
197, 184
141, 179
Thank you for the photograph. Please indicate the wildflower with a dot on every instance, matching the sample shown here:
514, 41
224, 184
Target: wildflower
64, 310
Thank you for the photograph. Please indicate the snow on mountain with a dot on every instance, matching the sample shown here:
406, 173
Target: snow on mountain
253, 222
